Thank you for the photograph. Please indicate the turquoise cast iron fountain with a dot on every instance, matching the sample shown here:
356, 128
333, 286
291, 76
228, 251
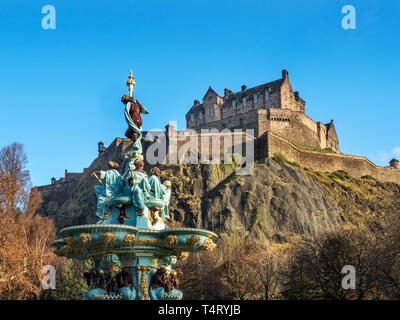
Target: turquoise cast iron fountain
132, 248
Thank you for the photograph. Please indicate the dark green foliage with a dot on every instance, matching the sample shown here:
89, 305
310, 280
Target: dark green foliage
70, 284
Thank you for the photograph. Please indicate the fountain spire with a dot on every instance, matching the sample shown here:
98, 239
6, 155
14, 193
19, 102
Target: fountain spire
130, 83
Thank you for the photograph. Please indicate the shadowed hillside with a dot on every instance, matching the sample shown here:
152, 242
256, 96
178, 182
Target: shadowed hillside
278, 201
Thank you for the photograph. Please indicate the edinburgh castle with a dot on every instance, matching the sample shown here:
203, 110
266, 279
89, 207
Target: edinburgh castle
275, 112
272, 106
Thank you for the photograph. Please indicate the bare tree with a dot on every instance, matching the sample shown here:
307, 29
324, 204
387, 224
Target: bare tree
14, 178
25, 236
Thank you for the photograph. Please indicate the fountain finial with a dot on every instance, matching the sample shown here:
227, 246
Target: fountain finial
130, 83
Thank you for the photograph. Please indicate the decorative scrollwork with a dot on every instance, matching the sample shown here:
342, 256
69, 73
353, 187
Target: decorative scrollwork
144, 286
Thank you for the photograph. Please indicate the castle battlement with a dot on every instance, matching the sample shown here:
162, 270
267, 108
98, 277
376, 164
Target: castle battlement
68, 178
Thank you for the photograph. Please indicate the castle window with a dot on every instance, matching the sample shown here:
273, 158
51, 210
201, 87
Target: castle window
201, 115
244, 102
256, 98
211, 112
273, 105
192, 118
234, 104
267, 95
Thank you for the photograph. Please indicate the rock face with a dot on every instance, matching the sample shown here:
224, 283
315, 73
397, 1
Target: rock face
278, 201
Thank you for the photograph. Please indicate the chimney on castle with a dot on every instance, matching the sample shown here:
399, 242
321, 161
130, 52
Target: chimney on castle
296, 95
101, 148
285, 74
196, 102
53, 180
244, 87
66, 172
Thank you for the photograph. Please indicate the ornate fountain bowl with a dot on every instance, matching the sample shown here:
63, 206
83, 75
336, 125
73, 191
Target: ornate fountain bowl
96, 240
115, 246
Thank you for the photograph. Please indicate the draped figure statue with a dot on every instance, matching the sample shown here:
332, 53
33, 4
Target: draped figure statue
166, 198
113, 187
134, 120
138, 184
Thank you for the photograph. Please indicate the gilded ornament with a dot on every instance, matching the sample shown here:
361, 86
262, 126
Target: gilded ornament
143, 286
154, 263
129, 238
85, 237
193, 241
172, 239
209, 244
70, 241
183, 256
108, 237
115, 268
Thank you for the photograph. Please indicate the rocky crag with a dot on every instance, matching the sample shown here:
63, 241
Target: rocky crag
278, 201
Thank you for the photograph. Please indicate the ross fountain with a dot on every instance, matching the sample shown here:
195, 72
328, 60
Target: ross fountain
132, 248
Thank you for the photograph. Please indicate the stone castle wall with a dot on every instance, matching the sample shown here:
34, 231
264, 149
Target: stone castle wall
293, 126
270, 144
265, 146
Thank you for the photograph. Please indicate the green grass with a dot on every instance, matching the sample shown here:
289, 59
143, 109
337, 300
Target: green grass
279, 157
313, 148
342, 175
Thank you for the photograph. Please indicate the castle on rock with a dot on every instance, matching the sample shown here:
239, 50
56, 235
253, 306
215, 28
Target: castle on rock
272, 106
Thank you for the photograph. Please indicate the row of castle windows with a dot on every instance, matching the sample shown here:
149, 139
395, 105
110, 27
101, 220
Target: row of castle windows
280, 119
244, 100
211, 110
234, 105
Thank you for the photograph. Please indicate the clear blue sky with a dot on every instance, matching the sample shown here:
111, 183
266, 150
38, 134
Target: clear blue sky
60, 89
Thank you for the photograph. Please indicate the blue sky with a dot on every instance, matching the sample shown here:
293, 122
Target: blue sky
60, 89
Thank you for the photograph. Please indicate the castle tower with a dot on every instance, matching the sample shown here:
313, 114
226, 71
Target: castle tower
394, 163
101, 148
